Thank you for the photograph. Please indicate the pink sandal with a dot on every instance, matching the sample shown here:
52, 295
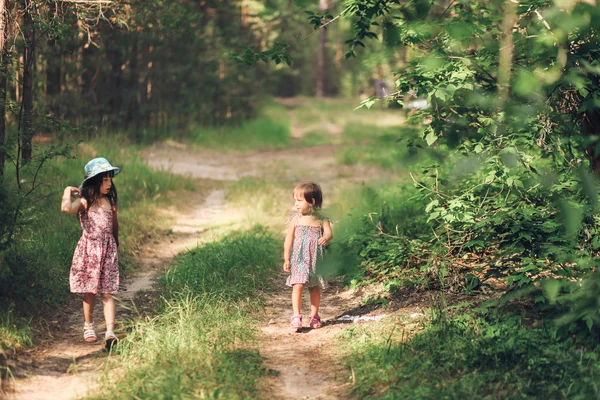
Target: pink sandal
296, 322
315, 322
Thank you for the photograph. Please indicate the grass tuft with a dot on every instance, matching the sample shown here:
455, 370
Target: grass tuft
15, 332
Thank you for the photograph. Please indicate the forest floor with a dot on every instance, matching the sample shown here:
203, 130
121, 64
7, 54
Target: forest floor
304, 364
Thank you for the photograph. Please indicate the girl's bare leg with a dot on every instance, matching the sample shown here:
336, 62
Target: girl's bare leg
88, 307
315, 300
297, 298
109, 311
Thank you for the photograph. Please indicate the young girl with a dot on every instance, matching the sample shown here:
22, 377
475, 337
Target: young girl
307, 233
95, 263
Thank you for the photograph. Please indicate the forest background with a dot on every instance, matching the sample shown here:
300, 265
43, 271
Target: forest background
504, 161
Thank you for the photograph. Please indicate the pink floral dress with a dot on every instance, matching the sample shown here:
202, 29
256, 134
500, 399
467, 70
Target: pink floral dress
95, 267
306, 256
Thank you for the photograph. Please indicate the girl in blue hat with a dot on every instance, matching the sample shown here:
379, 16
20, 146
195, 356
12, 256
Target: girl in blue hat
95, 266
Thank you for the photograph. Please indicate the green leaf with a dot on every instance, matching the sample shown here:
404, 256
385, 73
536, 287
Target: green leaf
431, 138
589, 322
431, 205
551, 289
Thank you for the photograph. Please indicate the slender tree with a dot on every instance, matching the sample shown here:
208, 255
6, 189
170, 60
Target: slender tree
3, 84
28, 58
53, 67
321, 75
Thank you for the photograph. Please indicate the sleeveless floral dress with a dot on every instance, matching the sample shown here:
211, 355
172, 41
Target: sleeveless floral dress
95, 267
306, 256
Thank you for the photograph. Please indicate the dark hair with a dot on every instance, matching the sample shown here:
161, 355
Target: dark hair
90, 190
311, 192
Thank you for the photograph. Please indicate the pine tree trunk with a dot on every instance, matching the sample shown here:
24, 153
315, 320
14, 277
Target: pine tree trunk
114, 40
3, 85
321, 75
133, 105
28, 48
53, 72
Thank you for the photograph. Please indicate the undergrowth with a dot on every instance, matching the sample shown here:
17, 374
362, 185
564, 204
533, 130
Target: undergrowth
465, 356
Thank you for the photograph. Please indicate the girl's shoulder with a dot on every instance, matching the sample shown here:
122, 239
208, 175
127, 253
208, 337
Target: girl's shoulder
83, 206
292, 218
322, 218
317, 216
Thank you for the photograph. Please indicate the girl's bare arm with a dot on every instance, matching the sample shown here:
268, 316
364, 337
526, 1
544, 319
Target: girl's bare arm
327, 233
68, 205
287, 244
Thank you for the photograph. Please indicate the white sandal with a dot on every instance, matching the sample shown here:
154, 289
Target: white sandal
89, 335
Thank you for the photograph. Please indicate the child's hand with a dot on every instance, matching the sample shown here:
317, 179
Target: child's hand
67, 204
72, 191
323, 241
286, 266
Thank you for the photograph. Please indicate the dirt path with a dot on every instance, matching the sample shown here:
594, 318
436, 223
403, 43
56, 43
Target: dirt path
64, 367
306, 361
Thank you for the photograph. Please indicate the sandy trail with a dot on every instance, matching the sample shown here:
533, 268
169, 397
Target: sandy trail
305, 363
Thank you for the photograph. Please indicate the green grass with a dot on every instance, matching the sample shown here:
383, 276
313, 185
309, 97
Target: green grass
202, 342
269, 130
15, 333
316, 137
343, 112
466, 357
385, 147
270, 202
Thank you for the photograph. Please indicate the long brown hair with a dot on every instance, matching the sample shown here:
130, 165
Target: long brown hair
90, 190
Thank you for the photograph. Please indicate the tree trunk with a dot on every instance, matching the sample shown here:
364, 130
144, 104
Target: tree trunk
590, 124
3, 24
321, 75
506, 50
28, 57
53, 72
89, 70
133, 104
114, 39
3, 85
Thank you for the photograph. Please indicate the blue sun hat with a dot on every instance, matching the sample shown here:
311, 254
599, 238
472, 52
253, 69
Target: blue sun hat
98, 166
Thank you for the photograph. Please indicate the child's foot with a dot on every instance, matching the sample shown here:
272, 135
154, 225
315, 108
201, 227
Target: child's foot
89, 334
110, 339
296, 322
315, 322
